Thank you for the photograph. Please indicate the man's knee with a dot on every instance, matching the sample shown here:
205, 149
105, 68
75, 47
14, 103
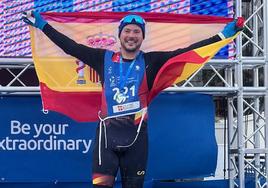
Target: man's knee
102, 181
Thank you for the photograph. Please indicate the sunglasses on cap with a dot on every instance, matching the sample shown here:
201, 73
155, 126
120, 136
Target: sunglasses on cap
130, 18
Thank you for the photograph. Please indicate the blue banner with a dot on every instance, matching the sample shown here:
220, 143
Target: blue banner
182, 136
38, 147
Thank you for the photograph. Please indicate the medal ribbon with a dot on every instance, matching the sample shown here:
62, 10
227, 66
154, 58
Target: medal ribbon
122, 82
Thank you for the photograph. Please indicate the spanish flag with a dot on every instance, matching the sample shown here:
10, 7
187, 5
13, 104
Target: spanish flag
70, 87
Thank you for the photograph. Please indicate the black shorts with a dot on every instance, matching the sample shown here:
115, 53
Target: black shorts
130, 160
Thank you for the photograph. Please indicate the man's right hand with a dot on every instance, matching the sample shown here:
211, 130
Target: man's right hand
34, 19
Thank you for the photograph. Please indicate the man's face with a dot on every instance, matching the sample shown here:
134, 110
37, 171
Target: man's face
131, 38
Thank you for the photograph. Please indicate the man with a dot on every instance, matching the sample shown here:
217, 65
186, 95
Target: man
127, 77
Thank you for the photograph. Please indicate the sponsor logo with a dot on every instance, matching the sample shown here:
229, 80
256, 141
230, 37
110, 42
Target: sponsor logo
141, 173
112, 81
126, 107
110, 70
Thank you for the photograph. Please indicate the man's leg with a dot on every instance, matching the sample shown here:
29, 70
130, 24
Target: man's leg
133, 162
103, 175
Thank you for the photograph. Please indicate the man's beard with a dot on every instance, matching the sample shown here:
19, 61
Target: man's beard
130, 50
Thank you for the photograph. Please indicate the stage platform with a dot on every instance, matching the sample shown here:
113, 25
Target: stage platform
148, 184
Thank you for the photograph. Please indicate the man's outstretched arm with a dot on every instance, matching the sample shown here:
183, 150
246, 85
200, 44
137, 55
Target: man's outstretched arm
90, 56
155, 60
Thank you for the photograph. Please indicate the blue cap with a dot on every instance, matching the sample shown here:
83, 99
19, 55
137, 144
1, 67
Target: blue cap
132, 19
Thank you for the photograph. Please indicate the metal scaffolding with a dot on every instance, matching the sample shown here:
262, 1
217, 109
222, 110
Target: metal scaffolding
242, 81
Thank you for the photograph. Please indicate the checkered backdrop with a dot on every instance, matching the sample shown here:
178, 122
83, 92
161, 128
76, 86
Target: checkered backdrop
15, 37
